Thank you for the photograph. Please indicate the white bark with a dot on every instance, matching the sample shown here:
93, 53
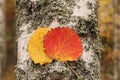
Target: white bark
2, 35
81, 9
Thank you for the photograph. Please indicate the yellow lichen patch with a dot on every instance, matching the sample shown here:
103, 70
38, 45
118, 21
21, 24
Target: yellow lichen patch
36, 46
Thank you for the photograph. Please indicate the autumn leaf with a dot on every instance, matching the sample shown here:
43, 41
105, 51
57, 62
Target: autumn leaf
36, 46
63, 44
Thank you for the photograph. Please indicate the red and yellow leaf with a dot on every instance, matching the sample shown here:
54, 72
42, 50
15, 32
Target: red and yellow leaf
63, 44
36, 46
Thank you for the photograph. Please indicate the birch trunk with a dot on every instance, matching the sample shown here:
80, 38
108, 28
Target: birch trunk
2, 36
80, 15
116, 40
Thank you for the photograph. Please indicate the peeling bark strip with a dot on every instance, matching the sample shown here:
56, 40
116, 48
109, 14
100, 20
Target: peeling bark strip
2, 36
81, 15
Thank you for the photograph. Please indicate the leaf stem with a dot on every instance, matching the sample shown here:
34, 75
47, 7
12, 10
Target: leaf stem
78, 77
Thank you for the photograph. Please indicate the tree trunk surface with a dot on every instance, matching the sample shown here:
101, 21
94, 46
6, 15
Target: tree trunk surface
2, 36
80, 15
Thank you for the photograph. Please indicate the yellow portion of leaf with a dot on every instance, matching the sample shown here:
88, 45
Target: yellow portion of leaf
36, 46
64, 58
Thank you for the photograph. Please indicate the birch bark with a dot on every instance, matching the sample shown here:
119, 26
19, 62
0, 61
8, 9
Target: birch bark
80, 15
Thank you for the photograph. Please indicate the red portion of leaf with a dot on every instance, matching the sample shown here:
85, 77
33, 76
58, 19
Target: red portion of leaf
63, 44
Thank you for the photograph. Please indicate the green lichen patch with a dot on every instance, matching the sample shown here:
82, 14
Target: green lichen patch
87, 27
36, 71
94, 67
20, 74
90, 5
97, 46
80, 68
43, 12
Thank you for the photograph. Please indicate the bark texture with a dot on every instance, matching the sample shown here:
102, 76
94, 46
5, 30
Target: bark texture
80, 15
2, 36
